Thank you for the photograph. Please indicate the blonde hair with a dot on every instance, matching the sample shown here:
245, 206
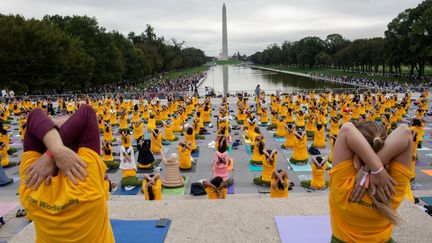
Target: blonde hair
376, 134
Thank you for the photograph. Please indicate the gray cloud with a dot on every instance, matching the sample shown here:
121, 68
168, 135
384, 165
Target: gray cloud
252, 24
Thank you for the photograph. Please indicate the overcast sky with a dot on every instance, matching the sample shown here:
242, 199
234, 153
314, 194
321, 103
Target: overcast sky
252, 24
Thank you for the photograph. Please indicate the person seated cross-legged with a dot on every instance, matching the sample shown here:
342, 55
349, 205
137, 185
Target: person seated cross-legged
369, 179
62, 208
216, 188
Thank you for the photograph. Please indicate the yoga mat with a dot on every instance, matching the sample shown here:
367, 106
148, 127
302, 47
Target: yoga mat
263, 189
123, 191
419, 163
231, 189
300, 168
112, 170
179, 191
151, 169
248, 149
5, 208
247, 140
298, 228
425, 137
255, 167
280, 140
427, 200
191, 170
263, 125
139, 231
196, 154
427, 172
423, 149
428, 155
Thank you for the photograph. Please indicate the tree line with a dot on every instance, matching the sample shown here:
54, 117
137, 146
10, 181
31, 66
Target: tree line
59, 53
407, 42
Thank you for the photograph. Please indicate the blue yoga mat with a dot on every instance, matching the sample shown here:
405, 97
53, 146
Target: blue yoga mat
254, 167
248, 149
196, 154
280, 140
427, 200
123, 191
139, 231
298, 168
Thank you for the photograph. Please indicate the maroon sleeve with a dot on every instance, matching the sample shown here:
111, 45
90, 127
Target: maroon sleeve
82, 130
38, 124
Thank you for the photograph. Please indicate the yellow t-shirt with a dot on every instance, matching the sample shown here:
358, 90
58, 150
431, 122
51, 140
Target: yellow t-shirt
212, 194
64, 211
276, 192
184, 158
157, 190
360, 221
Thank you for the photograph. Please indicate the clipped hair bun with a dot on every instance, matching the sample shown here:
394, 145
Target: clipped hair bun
378, 143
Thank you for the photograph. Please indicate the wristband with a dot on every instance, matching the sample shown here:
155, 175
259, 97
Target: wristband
49, 154
378, 171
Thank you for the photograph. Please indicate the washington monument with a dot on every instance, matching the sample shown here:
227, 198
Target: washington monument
224, 55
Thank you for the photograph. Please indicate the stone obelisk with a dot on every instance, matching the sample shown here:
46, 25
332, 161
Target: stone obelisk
224, 34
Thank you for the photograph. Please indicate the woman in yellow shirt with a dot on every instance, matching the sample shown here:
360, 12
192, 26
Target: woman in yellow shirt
279, 184
310, 126
300, 154
280, 128
257, 142
319, 138
300, 123
151, 122
318, 182
362, 162
107, 134
152, 187
138, 129
169, 134
156, 141
190, 138
184, 150
66, 209
269, 159
107, 155
123, 120
289, 137
217, 188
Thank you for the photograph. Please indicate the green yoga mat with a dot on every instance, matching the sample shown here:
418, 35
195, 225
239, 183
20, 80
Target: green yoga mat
427, 200
179, 191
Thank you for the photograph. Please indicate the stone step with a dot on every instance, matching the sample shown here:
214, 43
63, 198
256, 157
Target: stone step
241, 218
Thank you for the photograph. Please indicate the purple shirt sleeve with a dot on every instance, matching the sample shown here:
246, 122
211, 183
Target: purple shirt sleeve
38, 124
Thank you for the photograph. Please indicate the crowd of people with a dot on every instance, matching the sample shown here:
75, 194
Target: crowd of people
373, 83
370, 147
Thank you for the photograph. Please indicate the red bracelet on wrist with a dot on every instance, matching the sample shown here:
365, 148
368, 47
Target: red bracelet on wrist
49, 154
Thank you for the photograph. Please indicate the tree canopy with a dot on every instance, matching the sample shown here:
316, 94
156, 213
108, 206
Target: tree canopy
60, 53
407, 41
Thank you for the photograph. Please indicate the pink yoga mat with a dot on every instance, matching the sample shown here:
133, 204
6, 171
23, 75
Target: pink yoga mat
5, 208
298, 228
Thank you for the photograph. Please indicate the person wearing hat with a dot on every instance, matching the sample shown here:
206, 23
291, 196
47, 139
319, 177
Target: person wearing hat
172, 177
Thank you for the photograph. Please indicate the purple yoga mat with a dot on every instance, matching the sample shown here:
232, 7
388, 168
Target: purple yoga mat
231, 189
419, 163
298, 228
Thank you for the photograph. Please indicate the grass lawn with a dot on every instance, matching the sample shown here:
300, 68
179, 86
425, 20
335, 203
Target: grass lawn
229, 62
184, 72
